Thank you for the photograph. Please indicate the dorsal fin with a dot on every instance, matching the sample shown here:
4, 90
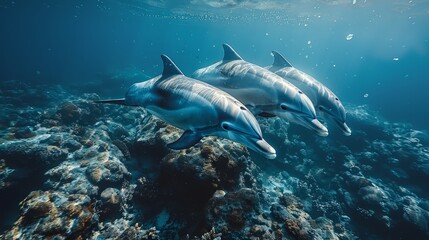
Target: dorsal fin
279, 60
170, 69
230, 54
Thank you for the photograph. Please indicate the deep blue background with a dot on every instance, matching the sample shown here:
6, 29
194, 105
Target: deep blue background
72, 41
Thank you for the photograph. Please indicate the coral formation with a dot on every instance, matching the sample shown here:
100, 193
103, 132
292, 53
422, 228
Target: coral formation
73, 169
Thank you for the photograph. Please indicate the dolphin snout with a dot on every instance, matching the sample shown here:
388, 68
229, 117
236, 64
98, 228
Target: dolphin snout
308, 117
320, 129
265, 149
313, 124
345, 129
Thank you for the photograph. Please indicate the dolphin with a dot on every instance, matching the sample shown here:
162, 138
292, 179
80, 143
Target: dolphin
263, 92
327, 104
197, 108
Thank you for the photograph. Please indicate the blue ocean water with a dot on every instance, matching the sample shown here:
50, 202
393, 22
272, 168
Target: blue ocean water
73, 40
373, 54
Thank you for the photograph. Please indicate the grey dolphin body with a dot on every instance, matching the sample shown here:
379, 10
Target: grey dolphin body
325, 101
262, 91
196, 107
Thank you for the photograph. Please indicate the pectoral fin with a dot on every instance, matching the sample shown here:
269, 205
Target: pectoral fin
188, 139
119, 101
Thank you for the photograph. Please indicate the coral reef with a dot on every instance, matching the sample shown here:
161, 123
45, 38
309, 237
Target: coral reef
45, 214
72, 169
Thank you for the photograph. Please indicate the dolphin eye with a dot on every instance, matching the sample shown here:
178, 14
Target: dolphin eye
242, 108
228, 127
299, 91
225, 126
336, 99
283, 106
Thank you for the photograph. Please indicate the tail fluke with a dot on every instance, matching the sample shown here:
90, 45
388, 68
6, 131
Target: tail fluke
120, 101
